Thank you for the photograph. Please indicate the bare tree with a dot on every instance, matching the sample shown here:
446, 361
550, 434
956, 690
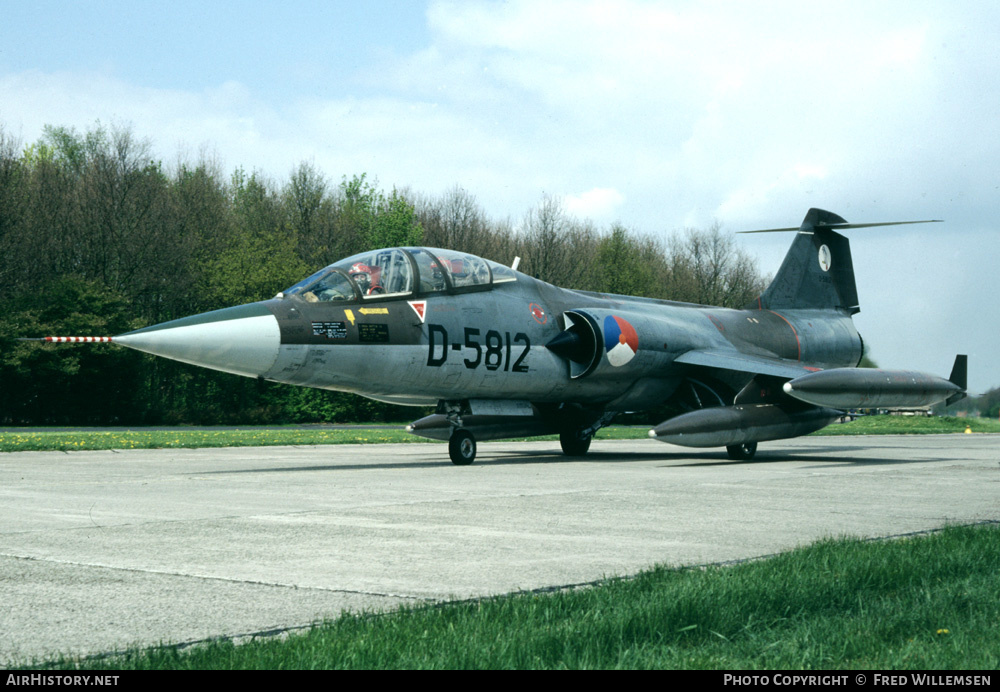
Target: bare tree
706, 266
557, 248
455, 222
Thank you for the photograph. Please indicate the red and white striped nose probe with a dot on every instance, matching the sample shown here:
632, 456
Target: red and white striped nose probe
72, 339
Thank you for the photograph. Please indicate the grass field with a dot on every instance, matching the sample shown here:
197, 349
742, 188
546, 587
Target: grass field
922, 602
911, 425
259, 436
180, 437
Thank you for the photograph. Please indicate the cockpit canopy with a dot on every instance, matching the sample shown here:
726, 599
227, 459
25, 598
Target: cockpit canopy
395, 272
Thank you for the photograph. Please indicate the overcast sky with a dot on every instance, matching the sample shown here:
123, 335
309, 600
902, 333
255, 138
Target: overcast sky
657, 115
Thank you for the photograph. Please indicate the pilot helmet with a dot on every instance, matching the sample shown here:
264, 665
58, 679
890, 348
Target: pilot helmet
361, 273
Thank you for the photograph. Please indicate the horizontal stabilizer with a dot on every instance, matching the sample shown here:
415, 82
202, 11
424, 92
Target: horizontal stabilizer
817, 272
843, 226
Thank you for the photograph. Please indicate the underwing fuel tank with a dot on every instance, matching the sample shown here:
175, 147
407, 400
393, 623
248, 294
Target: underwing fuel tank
723, 426
439, 427
872, 388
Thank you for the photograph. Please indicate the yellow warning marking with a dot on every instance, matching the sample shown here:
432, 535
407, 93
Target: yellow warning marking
349, 315
374, 311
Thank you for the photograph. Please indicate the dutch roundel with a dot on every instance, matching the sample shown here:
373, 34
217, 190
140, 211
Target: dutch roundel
620, 340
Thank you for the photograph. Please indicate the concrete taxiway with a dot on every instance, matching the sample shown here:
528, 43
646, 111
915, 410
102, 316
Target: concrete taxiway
105, 550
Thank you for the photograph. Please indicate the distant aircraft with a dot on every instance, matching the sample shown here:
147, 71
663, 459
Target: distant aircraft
501, 354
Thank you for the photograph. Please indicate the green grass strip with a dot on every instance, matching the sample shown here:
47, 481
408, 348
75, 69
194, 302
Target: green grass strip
181, 438
259, 437
912, 425
924, 602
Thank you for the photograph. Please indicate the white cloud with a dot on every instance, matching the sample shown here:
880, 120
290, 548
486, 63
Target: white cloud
598, 204
687, 108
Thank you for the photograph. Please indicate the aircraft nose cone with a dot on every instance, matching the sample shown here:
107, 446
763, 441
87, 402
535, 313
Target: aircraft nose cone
242, 340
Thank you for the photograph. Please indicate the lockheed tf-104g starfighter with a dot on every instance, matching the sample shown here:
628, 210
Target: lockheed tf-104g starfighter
501, 354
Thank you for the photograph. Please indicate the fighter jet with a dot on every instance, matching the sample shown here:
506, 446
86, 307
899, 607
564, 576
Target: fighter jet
501, 354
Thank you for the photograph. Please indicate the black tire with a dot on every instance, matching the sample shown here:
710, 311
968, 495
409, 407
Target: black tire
572, 445
742, 452
462, 448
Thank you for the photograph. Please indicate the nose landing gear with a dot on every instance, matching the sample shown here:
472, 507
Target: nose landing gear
462, 447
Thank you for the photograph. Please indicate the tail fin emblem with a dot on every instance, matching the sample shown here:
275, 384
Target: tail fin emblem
824, 258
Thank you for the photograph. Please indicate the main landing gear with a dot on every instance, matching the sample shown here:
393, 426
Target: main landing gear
573, 445
742, 452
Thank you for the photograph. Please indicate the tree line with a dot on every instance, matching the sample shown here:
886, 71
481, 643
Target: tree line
987, 404
97, 237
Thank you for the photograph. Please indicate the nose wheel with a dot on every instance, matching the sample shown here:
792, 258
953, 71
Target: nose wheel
462, 447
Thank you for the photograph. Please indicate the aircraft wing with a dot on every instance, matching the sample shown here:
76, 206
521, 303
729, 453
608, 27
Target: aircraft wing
742, 362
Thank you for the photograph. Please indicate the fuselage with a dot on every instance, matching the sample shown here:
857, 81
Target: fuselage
488, 340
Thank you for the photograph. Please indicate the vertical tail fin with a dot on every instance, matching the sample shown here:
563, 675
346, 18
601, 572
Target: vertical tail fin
959, 377
817, 271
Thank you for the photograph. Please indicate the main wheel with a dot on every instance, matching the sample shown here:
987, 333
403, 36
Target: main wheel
744, 451
462, 447
572, 445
